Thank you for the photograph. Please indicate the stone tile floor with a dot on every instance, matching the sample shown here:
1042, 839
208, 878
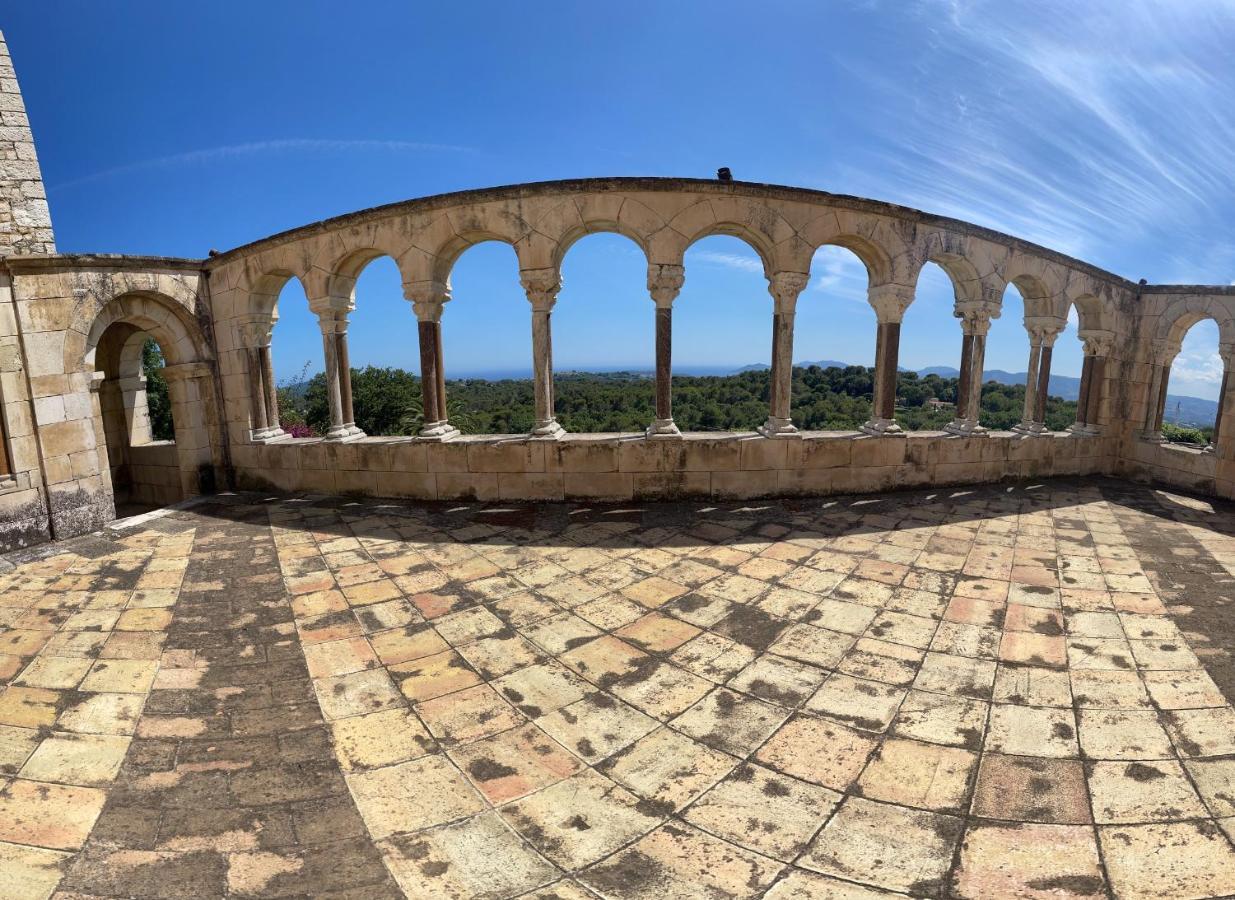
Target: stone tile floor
992, 692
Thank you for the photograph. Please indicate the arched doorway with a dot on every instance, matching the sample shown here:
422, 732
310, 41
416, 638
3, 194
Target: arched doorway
154, 405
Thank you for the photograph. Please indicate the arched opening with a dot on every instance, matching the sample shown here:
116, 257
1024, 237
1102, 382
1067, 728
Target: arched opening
1191, 403
138, 423
930, 354
834, 344
604, 385
1005, 375
384, 353
487, 345
296, 350
722, 338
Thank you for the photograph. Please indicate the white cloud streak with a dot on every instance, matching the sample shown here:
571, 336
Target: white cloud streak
229, 152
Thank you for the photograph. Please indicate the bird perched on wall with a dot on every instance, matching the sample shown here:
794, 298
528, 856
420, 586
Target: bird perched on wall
724, 174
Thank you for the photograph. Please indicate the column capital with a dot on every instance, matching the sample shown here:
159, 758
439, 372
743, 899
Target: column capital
975, 315
889, 301
785, 288
665, 281
1097, 342
1164, 352
427, 298
541, 287
1227, 353
332, 321
1043, 330
253, 332
332, 306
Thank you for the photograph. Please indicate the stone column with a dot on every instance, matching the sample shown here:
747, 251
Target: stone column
429, 300
1227, 352
541, 287
254, 336
332, 319
1042, 333
784, 288
1098, 345
188, 385
975, 323
889, 302
664, 284
1163, 355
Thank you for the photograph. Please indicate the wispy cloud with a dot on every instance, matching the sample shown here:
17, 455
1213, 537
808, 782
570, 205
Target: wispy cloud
733, 261
228, 152
1102, 129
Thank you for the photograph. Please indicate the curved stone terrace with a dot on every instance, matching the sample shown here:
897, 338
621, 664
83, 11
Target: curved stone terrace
1004, 691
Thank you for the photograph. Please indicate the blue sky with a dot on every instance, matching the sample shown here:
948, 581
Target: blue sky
1104, 130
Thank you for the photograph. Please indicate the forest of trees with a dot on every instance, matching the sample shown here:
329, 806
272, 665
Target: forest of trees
386, 401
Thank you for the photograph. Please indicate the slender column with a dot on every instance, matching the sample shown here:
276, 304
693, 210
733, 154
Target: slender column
272, 389
664, 283
1098, 346
332, 315
429, 300
1042, 333
1227, 352
1163, 354
541, 287
253, 335
784, 288
975, 323
890, 302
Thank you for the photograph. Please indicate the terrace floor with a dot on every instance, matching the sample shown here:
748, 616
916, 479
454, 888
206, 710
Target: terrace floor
996, 692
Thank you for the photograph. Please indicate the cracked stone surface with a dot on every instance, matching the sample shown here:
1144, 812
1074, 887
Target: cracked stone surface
989, 692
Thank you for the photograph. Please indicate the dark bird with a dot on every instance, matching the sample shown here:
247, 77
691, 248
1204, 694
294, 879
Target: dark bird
724, 174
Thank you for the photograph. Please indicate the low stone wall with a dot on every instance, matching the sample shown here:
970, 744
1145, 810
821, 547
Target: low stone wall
630, 467
1177, 465
154, 473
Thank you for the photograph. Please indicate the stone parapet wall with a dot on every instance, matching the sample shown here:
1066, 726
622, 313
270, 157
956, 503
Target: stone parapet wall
629, 467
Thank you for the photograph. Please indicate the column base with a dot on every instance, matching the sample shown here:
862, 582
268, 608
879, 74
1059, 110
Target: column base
776, 428
1153, 437
438, 431
1031, 429
549, 431
1081, 429
883, 427
268, 435
966, 428
348, 432
1209, 448
662, 428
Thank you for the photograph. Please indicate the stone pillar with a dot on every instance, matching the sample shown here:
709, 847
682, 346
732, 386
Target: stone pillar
1227, 352
542, 286
332, 319
1098, 345
1042, 333
1163, 355
429, 300
188, 387
254, 336
784, 288
889, 302
975, 319
664, 284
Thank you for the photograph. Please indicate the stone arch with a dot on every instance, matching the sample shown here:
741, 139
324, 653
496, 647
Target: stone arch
263, 292
113, 341
341, 276
568, 239
757, 225
1179, 317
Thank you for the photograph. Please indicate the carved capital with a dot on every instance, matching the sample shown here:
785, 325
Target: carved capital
976, 315
1097, 342
889, 301
334, 306
665, 282
254, 332
1044, 329
427, 298
541, 287
1164, 352
785, 288
332, 321
1227, 352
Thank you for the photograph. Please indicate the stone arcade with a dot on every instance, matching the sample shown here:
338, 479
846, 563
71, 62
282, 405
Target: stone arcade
76, 436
